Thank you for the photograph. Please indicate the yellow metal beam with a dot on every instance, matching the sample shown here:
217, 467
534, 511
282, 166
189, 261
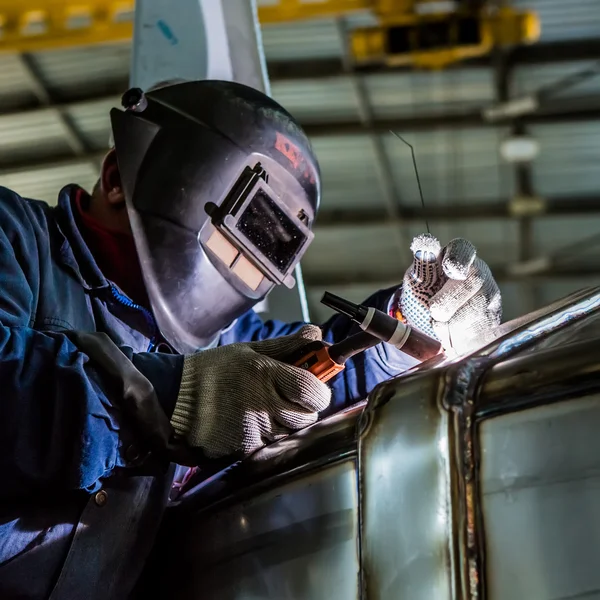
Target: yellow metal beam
33, 25
407, 39
282, 11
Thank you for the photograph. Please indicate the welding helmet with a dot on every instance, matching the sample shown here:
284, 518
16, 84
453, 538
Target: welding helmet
222, 188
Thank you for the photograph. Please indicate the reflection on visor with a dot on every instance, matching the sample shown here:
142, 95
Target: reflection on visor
272, 232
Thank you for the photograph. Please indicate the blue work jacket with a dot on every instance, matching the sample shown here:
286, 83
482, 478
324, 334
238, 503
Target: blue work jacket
80, 499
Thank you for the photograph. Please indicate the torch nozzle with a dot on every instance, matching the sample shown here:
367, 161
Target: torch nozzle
384, 327
341, 305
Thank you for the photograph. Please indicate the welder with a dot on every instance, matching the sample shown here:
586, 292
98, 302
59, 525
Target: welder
128, 339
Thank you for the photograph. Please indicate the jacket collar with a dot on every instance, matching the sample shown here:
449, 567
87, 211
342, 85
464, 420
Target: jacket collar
74, 253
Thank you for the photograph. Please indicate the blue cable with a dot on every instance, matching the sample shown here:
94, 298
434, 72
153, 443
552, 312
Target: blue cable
125, 301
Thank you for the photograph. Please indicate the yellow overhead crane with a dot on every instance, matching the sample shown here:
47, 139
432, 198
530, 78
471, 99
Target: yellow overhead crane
422, 33
432, 38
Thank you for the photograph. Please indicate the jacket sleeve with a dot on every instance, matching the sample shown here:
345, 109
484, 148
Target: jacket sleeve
362, 373
61, 425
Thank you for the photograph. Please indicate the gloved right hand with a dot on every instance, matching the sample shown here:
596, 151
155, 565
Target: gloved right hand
450, 293
239, 397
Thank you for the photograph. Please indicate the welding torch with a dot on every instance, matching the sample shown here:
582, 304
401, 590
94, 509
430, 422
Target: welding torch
327, 360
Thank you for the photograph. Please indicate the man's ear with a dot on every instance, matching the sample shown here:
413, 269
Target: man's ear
110, 180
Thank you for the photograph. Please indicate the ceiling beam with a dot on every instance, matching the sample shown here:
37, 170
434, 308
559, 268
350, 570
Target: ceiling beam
570, 110
542, 53
536, 54
481, 210
576, 108
555, 52
564, 111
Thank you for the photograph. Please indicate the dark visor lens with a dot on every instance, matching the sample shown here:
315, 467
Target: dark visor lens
271, 231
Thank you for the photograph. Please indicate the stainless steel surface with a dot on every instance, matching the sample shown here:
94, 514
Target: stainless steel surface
540, 487
298, 541
325, 442
576, 307
404, 484
541, 377
464, 479
461, 395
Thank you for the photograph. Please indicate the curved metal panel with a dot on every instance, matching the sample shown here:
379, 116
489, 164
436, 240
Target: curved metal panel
434, 490
540, 495
549, 321
298, 541
404, 486
328, 441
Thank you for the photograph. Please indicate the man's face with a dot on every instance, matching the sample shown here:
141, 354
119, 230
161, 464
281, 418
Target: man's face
117, 218
108, 205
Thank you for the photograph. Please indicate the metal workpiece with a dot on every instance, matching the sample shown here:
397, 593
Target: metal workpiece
540, 379
322, 444
463, 479
548, 375
464, 396
562, 318
281, 524
404, 493
458, 396
441, 411
296, 540
539, 482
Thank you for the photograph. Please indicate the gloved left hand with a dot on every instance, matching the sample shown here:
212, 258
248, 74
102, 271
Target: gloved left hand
238, 397
450, 294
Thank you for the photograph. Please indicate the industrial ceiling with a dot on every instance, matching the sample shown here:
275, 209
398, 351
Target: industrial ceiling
537, 225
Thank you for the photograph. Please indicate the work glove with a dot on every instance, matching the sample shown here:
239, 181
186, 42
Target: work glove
449, 293
237, 398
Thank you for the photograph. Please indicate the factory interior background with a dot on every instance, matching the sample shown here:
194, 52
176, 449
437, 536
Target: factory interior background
524, 190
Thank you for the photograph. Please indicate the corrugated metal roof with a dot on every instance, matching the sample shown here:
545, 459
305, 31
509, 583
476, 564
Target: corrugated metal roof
565, 19
92, 120
560, 20
348, 172
80, 72
44, 184
323, 100
37, 134
553, 233
319, 38
390, 94
29, 136
569, 158
417, 93
529, 78
348, 251
15, 89
454, 165
301, 41
372, 249
68, 71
